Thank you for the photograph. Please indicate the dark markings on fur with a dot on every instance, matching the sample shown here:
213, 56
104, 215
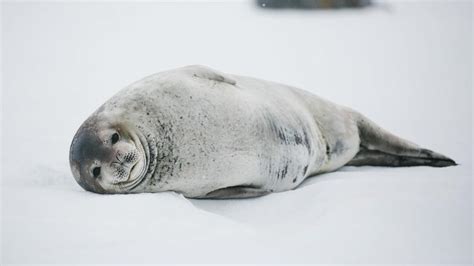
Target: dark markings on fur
290, 134
298, 139
277, 130
282, 173
270, 166
166, 158
304, 170
338, 147
162, 158
306, 141
287, 134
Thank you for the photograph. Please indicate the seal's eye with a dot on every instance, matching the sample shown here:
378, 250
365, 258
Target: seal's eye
115, 138
96, 171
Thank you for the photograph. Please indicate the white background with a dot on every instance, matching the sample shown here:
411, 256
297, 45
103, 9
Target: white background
406, 65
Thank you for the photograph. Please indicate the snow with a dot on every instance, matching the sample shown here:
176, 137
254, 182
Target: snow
406, 65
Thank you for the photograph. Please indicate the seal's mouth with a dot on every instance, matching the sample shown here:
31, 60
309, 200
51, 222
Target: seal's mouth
132, 173
138, 172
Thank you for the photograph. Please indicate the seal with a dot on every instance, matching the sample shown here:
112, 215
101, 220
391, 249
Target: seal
206, 134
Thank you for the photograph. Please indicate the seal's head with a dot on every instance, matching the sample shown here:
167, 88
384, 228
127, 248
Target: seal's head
107, 157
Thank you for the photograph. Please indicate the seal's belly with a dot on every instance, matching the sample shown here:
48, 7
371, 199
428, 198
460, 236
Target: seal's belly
265, 148
275, 156
289, 150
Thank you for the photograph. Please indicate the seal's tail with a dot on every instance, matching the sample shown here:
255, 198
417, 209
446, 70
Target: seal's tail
381, 148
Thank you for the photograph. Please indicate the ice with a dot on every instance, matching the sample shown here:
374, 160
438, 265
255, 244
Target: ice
406, 65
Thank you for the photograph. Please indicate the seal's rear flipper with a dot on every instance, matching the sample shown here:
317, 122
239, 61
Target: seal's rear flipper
381, 148
378, 158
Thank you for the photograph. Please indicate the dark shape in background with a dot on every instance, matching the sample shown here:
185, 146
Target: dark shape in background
313, 4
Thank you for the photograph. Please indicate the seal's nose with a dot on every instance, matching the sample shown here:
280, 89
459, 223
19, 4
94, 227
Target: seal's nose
86, 149
87, 146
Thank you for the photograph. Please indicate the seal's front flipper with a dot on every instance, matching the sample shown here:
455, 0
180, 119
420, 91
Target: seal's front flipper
209, 73
381, 148
237, 192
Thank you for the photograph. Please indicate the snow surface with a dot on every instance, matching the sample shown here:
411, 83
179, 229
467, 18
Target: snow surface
407, 66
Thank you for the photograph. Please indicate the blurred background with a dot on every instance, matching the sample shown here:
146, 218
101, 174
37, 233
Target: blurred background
312, 4
405, 64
